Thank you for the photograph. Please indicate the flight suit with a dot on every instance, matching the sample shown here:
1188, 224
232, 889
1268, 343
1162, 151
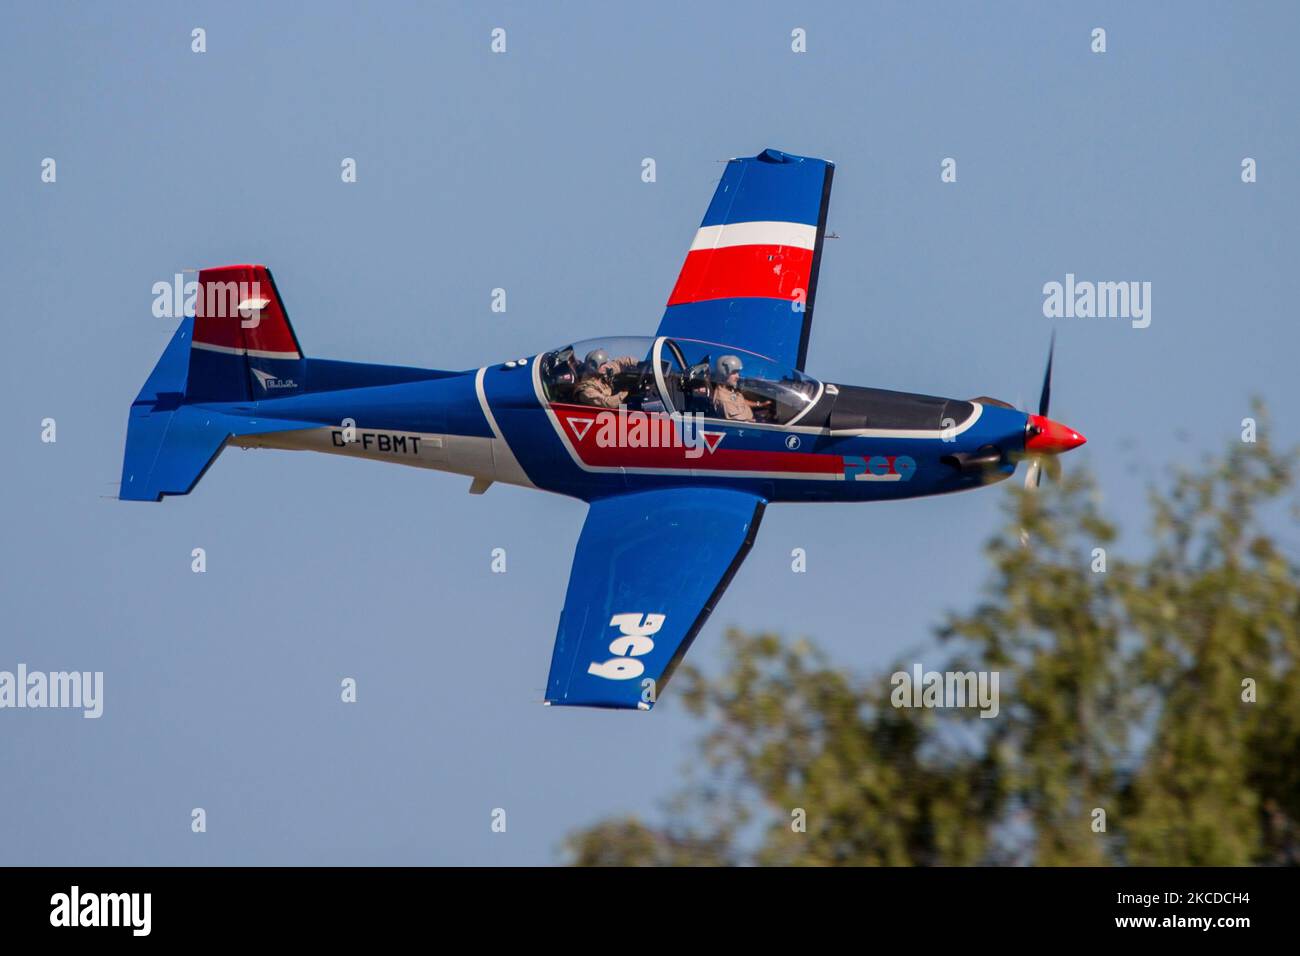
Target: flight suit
594, 390
731, 404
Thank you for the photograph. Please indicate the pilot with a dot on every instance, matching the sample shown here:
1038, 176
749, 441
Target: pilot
598, 373
728, 401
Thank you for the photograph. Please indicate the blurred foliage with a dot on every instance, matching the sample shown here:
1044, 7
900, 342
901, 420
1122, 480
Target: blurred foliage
1120, 689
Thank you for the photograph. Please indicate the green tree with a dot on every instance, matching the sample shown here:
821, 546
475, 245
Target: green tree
1051, 626
1218, 604
827, 770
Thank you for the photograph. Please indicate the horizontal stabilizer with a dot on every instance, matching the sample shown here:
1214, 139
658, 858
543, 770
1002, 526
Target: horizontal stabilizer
169, 449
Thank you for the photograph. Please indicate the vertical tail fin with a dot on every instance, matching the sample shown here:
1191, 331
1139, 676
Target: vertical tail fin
243, 348
238, 347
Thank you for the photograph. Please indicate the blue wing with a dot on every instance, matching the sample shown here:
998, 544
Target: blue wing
649, 568
750, 277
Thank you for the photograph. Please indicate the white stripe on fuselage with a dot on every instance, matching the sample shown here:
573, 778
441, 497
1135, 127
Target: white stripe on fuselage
505, 461
470, 455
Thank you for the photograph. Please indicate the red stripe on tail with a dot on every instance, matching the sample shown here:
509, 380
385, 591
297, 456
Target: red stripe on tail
261, 326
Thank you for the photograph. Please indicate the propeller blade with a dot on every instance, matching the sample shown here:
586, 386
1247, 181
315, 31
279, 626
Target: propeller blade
1046, 397
1052, 465
1044, 438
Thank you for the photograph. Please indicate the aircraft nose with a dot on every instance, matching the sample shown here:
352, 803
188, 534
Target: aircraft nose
1046, 437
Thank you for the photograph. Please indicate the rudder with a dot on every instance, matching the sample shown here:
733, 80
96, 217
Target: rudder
243, 348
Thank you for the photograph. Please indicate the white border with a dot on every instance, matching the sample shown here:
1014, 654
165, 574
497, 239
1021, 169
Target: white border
252, 353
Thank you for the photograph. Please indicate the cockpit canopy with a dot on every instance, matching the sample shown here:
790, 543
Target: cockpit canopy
678, 375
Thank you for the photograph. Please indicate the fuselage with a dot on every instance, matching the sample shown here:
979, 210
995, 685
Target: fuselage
501, 423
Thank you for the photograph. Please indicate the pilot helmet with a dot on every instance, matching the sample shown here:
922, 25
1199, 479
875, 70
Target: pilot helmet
725, 365
595, 359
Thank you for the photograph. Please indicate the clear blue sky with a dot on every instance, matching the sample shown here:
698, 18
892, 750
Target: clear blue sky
523, 171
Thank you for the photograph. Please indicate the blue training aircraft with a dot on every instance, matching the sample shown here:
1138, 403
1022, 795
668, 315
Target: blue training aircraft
677, 441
